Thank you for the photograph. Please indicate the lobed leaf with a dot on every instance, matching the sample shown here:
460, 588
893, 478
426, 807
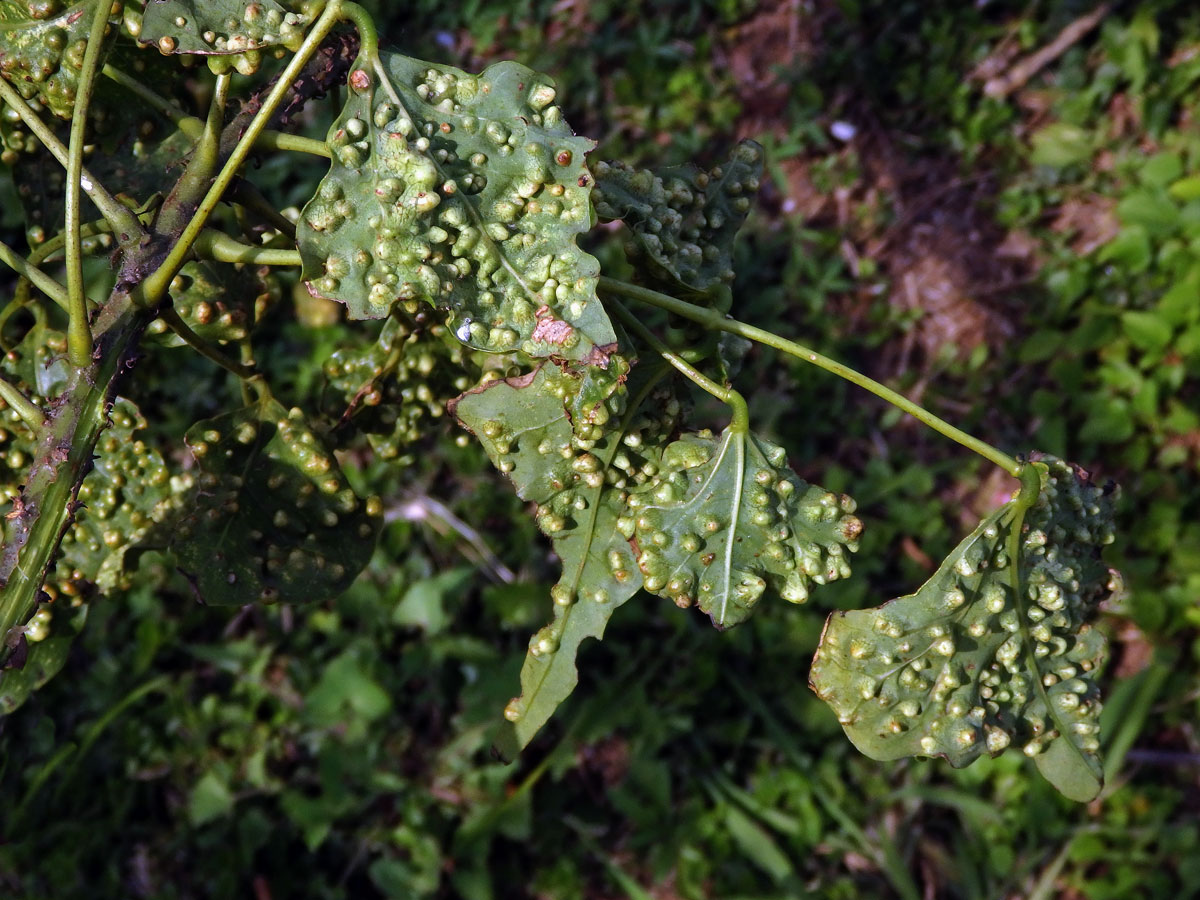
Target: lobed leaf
684, 220
270, 516
466, 192
581, 487
725, 518
968, 665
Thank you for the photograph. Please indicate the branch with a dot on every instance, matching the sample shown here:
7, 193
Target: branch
715, 320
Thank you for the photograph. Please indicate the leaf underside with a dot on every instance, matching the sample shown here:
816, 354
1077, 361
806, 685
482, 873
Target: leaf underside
684, 220
726, 518
966, 666
270, 516
466, 192
580, 486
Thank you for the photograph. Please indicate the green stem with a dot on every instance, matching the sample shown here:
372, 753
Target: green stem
79, 332
740, 422
713, 319
201, 346
41, 280
368, 36
48, 248
216, 245
25, 408
154, 288
124, 223
278, 140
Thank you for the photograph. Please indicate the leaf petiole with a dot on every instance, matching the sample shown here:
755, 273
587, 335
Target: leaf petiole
714, 319
40, 279
216, 245
24, 407
203, 347
79, 331
740, 422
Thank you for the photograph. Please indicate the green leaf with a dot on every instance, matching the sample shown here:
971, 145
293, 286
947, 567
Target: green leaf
968, 665
1151, 209
580, 485
1060, 145
120, 501
684, 220
46, 658
41, 50
725, 518
270, 516
397, 386
210, 799
220, 302
464, 191
1148, 331
220, 27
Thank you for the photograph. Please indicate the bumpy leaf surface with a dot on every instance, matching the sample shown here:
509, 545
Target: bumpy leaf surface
220, 27
967, 666
270, 516
394, 387
464, 191
726, 518
581, 487
220, 302
41, 49
128, 489
684, 220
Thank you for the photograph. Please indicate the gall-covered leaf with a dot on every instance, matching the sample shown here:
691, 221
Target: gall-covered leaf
581, 486
41, 49
270, 516
220, 302
991, 650
684, 220
464, 191
221, 27
726, 518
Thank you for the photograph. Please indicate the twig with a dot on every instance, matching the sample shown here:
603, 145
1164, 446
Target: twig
1024, 69
421, 508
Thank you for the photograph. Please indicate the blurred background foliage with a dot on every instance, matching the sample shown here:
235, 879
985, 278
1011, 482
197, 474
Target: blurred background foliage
994, 206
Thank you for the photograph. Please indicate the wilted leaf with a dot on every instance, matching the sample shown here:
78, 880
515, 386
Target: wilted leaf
464, 191
725, 518
581, 486
684, 220
270, 516
967, 665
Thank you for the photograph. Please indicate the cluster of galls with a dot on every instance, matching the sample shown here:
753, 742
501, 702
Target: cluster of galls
959, 669
457, 197
396, 388
219, 302
725, 519
126, 495
273, 517
683, 220
228, 41
42, 58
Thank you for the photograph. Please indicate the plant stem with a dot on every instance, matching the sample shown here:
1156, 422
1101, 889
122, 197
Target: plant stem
278, 140
713, 319
741, 413
154, 288
79, 332
368, 36
216, 245
201, 346
25, 408
125, 224
41, 280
